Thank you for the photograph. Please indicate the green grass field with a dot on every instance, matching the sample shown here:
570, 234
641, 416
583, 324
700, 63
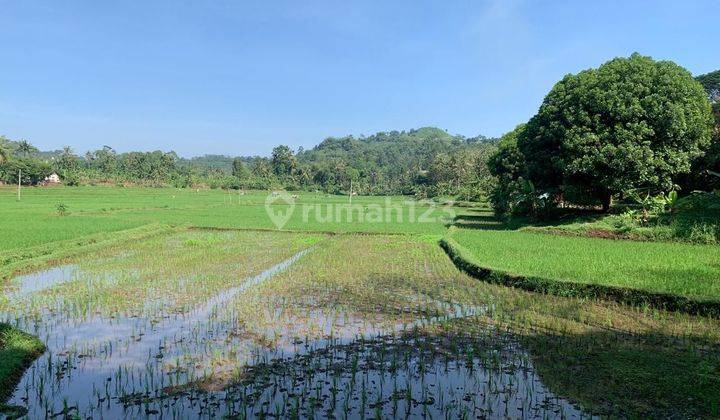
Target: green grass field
34, 220
674, 268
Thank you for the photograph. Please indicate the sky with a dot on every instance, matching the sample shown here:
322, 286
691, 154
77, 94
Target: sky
240, 77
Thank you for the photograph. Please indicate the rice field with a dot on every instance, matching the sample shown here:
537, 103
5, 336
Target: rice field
207, 323
681, 269
34, 220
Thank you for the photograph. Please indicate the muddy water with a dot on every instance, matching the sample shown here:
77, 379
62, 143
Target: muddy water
36, 282
309, 361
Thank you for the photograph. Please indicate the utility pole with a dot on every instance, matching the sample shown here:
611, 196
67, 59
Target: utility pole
351, 192
19, 177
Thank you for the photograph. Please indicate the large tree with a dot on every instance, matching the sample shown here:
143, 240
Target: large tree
632, 123
508, 166
283, 161
702, 176
239, 170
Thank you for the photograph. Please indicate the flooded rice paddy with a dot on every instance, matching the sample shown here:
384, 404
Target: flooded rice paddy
205, 332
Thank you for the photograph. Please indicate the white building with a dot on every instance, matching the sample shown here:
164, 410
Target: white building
52, 179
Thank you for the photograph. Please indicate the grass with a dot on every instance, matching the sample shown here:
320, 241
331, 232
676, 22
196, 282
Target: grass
687, 228
34, 220
613, 360
353, 307
694, 219
686, 270
17, 350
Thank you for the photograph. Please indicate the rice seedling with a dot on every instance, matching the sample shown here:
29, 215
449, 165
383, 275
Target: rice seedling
247, 324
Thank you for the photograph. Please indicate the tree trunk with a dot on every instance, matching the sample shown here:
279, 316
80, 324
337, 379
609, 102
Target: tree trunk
607, 202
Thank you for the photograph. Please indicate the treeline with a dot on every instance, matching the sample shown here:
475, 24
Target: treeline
426, 162
633, 127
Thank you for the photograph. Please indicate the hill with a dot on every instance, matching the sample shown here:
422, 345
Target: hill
388, 162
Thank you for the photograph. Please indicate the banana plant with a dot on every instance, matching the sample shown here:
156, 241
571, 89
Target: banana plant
654, 204
667, 201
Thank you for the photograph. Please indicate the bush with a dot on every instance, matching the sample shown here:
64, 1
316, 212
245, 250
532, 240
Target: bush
70, 178
700, 203
704, 233
62, 209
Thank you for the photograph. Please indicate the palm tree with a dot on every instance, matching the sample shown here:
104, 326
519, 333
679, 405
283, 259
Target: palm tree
24, 148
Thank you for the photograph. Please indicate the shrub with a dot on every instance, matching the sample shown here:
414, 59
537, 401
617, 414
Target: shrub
62, 209
704, 233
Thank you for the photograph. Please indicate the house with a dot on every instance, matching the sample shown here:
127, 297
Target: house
52, 179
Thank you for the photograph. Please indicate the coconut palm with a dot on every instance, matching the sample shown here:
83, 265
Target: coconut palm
25, 149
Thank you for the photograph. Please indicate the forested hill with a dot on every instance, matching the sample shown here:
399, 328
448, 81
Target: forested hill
210, 162
391, 161
426, 161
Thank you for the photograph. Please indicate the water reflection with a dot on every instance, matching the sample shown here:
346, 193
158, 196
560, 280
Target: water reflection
289, 360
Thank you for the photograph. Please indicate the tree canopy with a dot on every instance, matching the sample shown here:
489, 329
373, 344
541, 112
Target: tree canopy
711, 83
284, 162
507, 164
426, 162
632, 123
4, 149
701, 176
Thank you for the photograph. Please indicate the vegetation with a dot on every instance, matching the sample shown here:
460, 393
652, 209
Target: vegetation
212, 294
27, 258
390, 307
513, 193
711, 84
693, 219
17, 351
4, 150
426, 162
680, 269
35, 220
703, 175
632, 124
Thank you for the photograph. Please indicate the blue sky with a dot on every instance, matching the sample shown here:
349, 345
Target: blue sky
237, 77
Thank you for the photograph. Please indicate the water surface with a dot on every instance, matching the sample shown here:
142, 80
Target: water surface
285, 360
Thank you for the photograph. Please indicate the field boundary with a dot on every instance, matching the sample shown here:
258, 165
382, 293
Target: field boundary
321, 232
464, 260
22, 260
